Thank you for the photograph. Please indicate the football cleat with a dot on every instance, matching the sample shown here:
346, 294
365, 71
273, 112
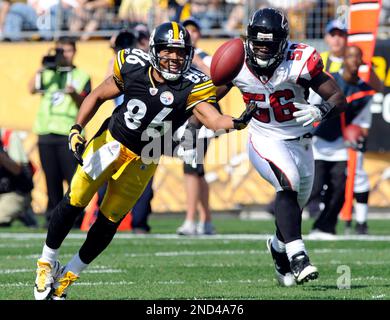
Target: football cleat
283, 272
46, 274
62, 284
361, 228
302, 269
205, 228
188, 228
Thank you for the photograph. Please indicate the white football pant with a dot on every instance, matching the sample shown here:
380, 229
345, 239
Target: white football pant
287, 165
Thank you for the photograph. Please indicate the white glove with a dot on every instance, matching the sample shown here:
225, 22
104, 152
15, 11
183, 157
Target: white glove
188, 156
307, 113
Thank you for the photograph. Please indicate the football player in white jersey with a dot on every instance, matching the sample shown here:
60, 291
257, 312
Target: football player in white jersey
277, 75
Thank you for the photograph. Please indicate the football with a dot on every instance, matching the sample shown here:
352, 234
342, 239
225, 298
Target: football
227, 62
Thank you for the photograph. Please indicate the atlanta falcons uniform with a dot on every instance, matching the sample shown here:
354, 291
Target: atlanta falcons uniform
280, 147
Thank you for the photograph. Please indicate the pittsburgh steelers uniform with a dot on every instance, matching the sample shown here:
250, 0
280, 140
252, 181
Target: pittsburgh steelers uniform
122, 151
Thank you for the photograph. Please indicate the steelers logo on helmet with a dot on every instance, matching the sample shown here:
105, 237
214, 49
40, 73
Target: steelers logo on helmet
171, 50
267, 36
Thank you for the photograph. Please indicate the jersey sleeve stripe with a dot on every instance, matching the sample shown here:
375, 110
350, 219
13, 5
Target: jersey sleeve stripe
208, 99
202, 84
117, 70
118, 59
202, 88
122, 56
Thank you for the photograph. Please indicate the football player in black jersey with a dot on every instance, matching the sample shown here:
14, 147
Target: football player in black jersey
161, 90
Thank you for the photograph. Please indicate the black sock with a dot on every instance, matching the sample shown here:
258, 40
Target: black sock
362, 197
98, 238
62, 220
278, 233
288, 216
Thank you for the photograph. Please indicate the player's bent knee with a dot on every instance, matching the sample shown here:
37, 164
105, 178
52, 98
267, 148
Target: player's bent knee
78, 201
113, 216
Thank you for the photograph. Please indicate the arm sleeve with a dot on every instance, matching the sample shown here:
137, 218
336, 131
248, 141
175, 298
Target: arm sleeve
204, 92
312, 67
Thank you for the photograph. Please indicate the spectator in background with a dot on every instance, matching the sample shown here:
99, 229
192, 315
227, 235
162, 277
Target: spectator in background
15, 181
197, 188
330, 152
296, 11
317, 17
336, 39
178, 10
63, 87
88, 14
17, 16
142, 11
209, 13
336, 35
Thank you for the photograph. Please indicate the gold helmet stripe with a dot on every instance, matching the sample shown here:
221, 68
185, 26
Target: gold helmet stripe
175, 28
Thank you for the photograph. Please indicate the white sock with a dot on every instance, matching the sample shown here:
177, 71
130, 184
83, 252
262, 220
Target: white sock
361, 212
278, 245
49, 255
75, 265
294, 247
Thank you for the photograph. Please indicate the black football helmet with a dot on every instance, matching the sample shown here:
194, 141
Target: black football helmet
170, 35
267, 36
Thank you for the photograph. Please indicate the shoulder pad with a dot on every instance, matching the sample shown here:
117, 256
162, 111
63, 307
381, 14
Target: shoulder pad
130, 59
196, 76
306, 62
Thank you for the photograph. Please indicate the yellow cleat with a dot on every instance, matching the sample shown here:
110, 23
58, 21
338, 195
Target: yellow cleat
46, 274
62, 284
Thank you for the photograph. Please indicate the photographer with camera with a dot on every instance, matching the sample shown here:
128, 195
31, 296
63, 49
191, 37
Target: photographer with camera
63, 87
16, 181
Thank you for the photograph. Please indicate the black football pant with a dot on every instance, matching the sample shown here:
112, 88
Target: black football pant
58, 164
332, 175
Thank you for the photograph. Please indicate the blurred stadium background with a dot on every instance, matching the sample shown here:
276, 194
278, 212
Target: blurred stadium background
232, 180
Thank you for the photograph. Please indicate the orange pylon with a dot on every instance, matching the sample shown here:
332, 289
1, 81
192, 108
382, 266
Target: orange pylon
90, 214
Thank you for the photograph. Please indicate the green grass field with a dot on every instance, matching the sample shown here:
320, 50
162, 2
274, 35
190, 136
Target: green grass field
232, 265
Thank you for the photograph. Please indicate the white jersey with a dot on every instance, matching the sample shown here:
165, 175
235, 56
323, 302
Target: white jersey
275, 96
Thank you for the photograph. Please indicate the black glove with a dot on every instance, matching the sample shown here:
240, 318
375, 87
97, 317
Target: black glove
77, 142
242, 121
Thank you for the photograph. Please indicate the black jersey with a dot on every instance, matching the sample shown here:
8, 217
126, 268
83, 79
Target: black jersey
150, 107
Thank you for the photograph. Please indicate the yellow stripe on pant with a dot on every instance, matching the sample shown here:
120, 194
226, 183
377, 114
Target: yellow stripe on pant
127, 177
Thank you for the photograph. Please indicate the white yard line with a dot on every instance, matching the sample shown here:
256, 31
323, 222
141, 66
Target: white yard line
126, 283
249, 237
96, 269
191, 253
179, 282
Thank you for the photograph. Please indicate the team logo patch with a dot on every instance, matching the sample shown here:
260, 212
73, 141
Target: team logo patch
166, 98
